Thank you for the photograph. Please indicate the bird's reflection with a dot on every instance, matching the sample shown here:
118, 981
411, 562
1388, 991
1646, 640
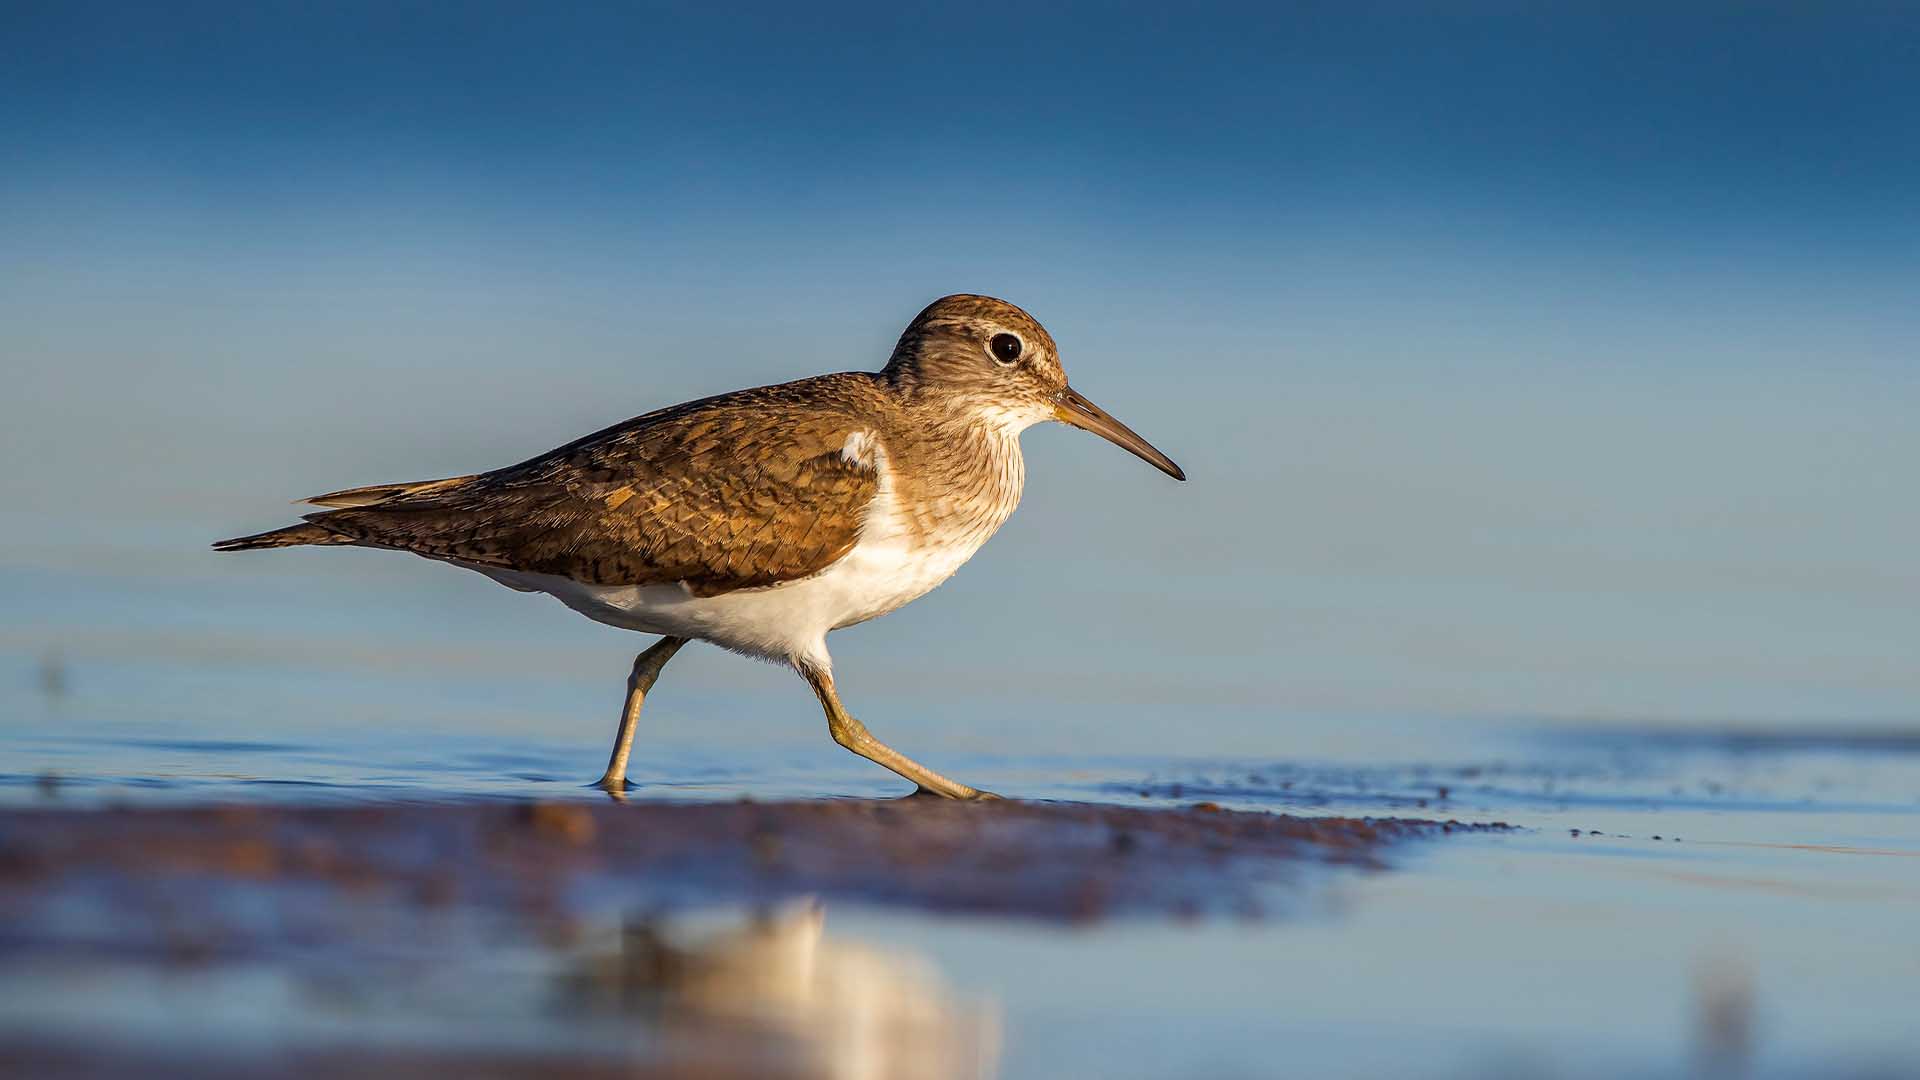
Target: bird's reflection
774, 994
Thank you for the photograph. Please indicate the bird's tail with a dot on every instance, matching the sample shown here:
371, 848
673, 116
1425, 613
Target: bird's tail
374, 496
383, 494
291, 536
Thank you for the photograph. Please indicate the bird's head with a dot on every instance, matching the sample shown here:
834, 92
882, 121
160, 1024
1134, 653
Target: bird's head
992, 359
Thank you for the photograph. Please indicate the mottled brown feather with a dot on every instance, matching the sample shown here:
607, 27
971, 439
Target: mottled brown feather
747, 489
732, 492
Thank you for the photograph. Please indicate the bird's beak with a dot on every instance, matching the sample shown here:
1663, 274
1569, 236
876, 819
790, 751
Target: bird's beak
1070, 408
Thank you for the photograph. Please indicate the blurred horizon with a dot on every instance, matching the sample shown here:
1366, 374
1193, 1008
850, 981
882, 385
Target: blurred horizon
1549, 364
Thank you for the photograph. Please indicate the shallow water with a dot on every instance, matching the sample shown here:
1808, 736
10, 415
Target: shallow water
1718, 901
1674, 907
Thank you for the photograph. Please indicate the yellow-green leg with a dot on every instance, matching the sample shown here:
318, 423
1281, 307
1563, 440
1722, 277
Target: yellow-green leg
646, 669
854, 735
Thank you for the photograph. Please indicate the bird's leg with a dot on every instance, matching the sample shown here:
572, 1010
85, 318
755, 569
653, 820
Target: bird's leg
646, 668
854, 735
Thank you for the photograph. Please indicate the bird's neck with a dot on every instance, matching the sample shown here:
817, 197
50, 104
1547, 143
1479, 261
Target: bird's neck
957, 470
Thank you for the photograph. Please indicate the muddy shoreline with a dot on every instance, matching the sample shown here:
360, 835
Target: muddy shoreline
560, 927
1061, 861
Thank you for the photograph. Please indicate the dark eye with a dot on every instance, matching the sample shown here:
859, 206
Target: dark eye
1005, 348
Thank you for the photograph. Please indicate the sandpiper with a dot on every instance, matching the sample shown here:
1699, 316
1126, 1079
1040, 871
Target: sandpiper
762, 519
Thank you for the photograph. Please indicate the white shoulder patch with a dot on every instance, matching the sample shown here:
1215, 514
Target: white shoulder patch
859, 449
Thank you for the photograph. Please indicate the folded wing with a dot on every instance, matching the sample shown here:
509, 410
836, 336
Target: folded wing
733, 492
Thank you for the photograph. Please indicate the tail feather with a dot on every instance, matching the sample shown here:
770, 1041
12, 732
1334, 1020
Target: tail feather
386, 498
291, 536
376, 494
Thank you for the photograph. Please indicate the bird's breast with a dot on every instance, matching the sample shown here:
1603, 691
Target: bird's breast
923, 525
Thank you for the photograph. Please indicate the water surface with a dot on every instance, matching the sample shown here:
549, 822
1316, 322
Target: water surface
1723, 899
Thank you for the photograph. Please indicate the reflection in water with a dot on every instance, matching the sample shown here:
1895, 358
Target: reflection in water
53, 674
263, 938
776, 995
1723, 1020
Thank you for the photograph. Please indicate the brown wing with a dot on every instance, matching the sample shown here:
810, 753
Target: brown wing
747, 489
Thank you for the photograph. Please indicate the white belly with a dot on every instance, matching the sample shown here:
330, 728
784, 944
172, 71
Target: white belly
788, 622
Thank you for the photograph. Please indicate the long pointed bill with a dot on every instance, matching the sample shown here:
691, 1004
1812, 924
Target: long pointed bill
1071, 408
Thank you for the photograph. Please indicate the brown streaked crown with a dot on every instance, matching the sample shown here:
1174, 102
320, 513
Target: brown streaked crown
949, 349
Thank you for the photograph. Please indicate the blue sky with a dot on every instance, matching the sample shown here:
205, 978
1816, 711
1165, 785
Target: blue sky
1541, 360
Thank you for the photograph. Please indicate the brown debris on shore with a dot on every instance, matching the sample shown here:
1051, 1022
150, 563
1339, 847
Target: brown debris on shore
1037, 860
561, 924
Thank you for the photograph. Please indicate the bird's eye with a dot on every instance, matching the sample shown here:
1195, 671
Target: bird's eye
1005, 348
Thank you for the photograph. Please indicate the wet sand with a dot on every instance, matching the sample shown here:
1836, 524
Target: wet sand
329, 895
1060, 861
186, 899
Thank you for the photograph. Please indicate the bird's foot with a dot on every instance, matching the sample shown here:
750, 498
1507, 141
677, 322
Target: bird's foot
924, 792
615, 787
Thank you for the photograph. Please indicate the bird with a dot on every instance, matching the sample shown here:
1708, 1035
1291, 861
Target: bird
759, 520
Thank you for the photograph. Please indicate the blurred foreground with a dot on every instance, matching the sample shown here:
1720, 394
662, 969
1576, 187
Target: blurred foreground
519, 939
1717, 904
